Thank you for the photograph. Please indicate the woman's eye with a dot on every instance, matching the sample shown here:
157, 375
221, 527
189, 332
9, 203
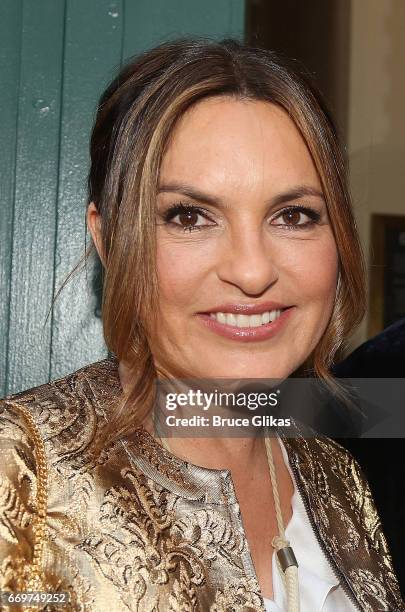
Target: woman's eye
187, 218
297, 217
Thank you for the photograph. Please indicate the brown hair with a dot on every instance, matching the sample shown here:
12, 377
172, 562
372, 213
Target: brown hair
134, 120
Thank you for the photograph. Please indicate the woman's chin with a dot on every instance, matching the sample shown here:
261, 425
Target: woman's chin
237, 371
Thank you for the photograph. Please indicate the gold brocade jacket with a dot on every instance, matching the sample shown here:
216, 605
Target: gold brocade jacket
139, 529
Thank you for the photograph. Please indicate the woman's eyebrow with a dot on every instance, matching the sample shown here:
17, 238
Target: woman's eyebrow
294, 193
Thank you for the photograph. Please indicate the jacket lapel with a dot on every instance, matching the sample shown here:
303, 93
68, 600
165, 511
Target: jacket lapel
344, 517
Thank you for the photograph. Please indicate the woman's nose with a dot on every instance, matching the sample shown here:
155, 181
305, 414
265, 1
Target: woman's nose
248, 262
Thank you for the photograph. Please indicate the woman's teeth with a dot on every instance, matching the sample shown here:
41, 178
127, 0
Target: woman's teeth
241, 320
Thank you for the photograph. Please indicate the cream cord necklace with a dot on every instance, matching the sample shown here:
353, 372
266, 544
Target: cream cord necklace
286, 561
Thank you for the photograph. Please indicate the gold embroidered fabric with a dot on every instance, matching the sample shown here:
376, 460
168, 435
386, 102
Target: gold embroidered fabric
137, 529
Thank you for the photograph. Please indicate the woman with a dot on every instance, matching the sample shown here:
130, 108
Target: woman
219, 208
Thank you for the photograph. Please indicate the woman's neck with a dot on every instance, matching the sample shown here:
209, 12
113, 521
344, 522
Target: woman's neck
210, 452
213, 453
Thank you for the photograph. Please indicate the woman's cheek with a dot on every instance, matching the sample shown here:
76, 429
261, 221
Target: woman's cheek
326, 269
315, 265
182, 268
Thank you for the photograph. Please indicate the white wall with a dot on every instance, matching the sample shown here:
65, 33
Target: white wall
376, 121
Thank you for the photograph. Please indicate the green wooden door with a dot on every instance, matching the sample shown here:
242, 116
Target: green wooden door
56, 57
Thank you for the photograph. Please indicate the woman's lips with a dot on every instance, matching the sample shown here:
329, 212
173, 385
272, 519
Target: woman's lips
246, 334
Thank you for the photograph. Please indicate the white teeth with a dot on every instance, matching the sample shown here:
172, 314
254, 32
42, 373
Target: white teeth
242, 320
231, 319
273, 315
221, 317
255, 320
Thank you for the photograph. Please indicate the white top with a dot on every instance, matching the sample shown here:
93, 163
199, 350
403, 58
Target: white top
319, 588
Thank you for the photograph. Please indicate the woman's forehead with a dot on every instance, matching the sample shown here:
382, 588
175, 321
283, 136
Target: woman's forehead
237, 144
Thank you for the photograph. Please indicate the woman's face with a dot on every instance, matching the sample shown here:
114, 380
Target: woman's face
226, 243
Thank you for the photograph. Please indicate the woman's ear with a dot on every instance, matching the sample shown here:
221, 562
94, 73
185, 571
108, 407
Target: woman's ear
93, 219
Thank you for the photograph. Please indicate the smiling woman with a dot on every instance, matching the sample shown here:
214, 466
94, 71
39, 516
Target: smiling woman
219, 207
254, 226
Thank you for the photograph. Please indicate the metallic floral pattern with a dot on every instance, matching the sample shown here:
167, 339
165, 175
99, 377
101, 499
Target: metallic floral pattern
137, 529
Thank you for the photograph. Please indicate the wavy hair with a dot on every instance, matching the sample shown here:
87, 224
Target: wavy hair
135, 118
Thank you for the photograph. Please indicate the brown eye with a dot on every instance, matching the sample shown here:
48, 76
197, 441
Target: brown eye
291, 217
188, 218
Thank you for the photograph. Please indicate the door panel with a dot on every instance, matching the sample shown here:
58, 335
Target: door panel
56, 58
